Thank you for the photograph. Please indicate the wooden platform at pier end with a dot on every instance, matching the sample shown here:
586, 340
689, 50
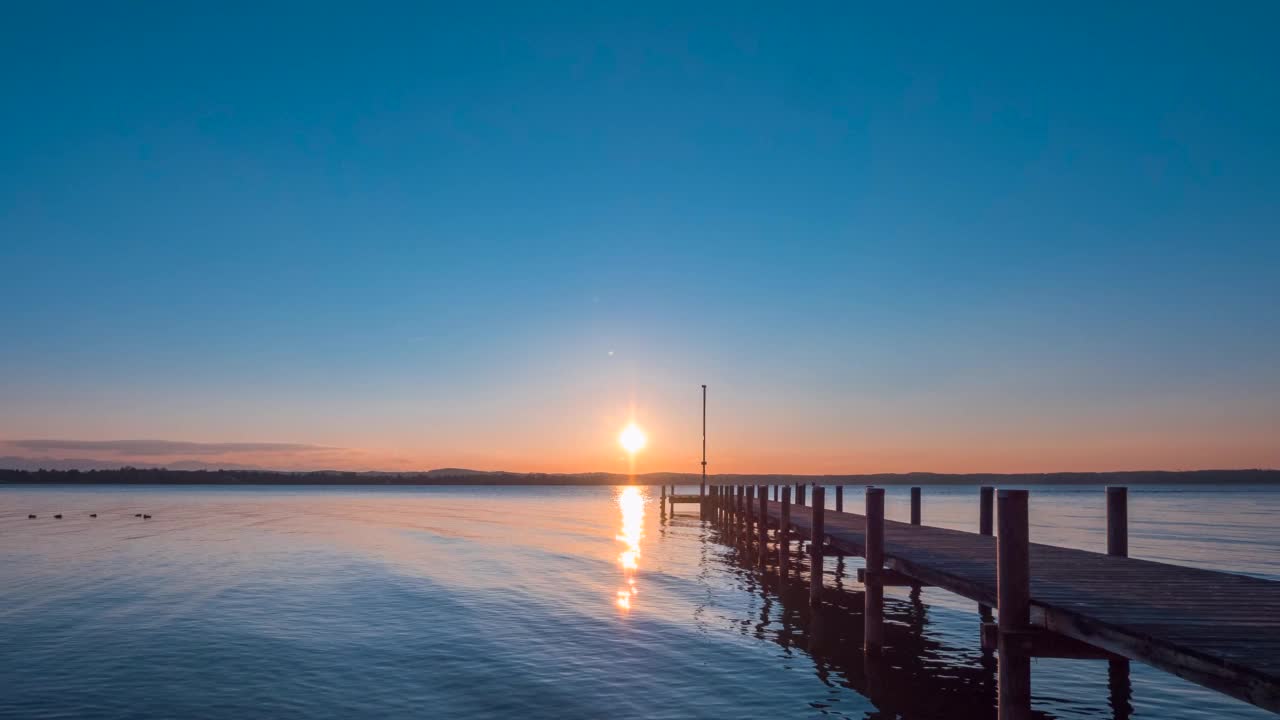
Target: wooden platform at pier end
1213, 628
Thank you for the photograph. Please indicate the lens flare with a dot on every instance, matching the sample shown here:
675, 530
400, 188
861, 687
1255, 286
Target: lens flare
632, 439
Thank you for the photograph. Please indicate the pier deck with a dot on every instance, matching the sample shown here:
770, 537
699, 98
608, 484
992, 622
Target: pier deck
1217, 629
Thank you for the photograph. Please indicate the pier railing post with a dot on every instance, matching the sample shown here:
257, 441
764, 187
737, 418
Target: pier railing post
763, 498
784, 530
873, 611
915, 506
815, 548
839, 498
1118, 521
1013, 595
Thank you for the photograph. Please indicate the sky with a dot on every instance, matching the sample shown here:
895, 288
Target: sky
951, 238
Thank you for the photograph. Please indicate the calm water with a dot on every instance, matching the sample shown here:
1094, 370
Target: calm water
524, 602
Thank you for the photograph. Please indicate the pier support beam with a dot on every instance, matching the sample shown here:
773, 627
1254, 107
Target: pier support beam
915, 506
763, 516
839, 498
1013, 594
815, 547
873, 612
784, 531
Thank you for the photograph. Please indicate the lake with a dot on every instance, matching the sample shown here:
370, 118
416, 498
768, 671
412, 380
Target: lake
532, 602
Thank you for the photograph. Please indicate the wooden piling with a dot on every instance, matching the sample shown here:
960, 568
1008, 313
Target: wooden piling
1118, 546
784, 530
1013, 595
986, 503
762, 497
815, 547
1118, 521
749, 537
799, 493
839, 498
873, 597
986, 513
915, 506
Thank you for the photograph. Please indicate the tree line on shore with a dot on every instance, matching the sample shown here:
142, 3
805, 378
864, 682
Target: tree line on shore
162, 476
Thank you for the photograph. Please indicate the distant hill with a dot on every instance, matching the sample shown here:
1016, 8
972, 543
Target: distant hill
461, 476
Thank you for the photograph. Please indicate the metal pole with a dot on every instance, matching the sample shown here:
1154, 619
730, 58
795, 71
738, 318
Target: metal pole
703, 491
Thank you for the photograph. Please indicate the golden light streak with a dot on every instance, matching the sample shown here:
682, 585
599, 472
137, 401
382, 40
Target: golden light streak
631, 504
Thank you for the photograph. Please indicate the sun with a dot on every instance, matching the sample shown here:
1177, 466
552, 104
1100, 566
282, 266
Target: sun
632, 439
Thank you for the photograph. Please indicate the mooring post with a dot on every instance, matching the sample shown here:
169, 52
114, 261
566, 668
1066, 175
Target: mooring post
873, 611
915, 506
839, 498
763, 498
662, 503
1118, 521
784, 530
1013, 597
815, 547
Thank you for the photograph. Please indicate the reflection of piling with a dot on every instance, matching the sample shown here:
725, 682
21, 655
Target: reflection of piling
815, 547
873, 611
1013, 597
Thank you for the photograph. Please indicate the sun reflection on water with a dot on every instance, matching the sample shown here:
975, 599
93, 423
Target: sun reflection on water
631, 503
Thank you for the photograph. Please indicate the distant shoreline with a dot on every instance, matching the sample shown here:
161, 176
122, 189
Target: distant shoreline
159, 476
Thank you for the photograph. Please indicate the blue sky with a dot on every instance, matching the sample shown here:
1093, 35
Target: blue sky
935, 238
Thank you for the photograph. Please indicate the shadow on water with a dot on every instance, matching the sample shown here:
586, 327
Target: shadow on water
919, 675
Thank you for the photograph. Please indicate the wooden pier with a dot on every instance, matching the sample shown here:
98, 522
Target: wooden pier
1217, 629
